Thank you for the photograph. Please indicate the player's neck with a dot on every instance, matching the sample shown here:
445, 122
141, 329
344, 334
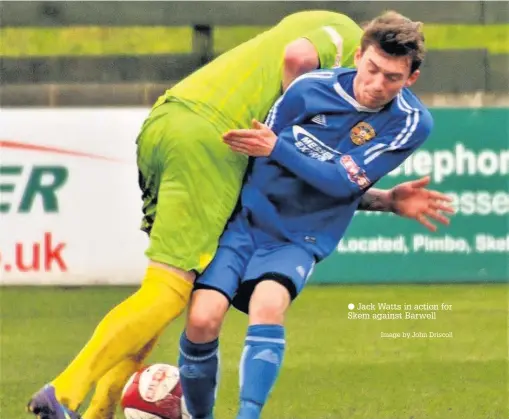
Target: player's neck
355, 88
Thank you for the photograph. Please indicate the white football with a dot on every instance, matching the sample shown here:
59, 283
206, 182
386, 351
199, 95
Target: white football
154, 393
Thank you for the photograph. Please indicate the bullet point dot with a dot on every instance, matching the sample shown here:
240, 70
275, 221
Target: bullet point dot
351, 306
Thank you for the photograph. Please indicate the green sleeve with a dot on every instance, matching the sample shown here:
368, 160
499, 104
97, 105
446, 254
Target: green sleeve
328, 44
336, 43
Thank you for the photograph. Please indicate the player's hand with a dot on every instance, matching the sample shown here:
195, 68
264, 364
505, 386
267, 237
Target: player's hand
258, 141
413, 200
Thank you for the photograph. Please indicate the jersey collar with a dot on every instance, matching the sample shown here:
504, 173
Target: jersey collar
360, 108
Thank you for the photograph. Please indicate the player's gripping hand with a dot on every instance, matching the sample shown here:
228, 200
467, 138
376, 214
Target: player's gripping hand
258, 141
413, 200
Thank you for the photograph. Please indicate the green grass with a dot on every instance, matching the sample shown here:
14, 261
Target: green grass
334, 368
23, 42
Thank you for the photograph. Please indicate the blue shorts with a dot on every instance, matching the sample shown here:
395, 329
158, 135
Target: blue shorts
246, 256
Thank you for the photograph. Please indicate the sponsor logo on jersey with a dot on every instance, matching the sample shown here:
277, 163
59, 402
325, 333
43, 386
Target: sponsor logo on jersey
311, 146
355, 173
362, 133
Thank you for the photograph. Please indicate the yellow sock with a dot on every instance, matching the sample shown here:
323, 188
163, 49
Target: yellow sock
124, 332
109, 388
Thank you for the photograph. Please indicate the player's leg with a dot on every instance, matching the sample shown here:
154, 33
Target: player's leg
199, 343
122, 333
108, 391
199, 352
191, 210
177, 246
109, 388
163, 294
278, 276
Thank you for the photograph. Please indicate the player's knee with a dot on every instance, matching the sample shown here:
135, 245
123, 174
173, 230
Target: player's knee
206, 316
269, 303
266, 312
203, 326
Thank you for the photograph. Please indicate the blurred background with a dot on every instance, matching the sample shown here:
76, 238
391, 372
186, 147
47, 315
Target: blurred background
77, 79
73, 53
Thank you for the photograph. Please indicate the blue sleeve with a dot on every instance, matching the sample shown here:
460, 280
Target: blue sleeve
291, 107
285, 112
347, 176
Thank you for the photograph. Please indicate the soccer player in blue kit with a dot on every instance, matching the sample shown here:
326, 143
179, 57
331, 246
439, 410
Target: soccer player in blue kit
327, 140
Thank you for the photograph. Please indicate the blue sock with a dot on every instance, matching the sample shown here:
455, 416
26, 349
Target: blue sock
199, 366
259, 367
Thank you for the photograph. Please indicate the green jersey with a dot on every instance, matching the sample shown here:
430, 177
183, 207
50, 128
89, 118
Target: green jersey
244, 82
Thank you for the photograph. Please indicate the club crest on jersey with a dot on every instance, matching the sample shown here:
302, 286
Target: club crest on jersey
362, 133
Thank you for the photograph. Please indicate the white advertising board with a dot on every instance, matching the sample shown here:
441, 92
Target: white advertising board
70, 206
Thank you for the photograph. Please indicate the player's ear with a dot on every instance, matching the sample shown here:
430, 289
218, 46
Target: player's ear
357, 56
413, 78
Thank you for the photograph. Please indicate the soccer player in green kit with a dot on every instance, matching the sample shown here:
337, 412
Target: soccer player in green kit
190, 182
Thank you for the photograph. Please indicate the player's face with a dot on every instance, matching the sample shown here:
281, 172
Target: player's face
380, 76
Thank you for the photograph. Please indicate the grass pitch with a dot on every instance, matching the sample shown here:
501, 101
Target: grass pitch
334, 368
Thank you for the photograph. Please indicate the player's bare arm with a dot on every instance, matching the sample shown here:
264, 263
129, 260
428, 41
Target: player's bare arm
410, 200
300, 57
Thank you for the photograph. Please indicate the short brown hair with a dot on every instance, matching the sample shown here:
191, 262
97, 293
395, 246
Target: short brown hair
396, 35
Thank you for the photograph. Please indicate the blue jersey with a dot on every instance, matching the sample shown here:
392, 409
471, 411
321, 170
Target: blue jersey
329, 151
